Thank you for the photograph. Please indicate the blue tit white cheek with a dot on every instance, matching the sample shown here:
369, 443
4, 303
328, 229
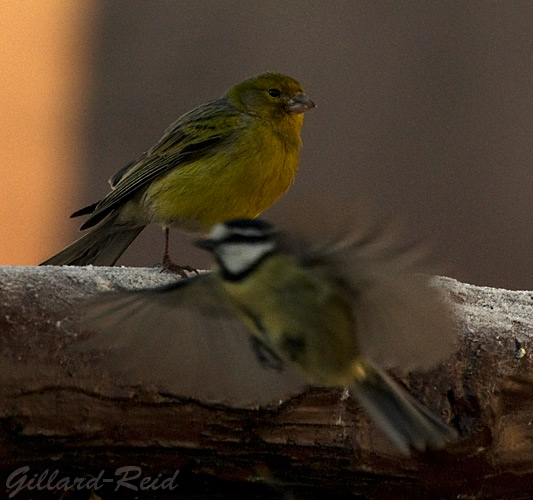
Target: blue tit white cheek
238, 257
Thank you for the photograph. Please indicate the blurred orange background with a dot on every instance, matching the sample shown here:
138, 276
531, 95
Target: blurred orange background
44, 52
425, 109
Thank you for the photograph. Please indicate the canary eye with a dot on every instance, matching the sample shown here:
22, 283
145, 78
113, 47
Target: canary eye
274, 92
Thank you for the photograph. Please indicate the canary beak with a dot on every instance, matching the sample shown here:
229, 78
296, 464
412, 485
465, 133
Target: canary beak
300, 103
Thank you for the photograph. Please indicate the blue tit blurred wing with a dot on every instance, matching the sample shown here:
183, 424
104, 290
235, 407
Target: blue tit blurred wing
402, 319
187, 340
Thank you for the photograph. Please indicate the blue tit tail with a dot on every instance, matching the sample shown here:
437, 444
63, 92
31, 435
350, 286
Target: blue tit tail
406, 422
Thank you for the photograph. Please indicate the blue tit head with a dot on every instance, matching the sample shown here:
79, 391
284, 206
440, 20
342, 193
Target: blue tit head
240, 245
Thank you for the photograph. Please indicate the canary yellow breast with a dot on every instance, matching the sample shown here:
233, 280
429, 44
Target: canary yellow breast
239, 180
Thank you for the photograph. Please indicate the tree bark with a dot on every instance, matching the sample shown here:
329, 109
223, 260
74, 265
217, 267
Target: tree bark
59, 412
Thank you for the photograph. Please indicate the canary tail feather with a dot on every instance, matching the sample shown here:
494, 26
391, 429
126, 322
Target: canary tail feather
89, 209
101, 246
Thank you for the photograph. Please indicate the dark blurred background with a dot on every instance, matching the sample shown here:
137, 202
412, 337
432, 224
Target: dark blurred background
425, 110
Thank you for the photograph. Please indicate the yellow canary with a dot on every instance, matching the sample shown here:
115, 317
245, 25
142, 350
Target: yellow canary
332, 316
229, 158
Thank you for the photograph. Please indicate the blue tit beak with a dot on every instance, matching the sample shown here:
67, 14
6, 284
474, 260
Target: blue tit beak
205, 244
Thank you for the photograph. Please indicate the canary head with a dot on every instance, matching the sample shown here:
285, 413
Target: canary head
270, 95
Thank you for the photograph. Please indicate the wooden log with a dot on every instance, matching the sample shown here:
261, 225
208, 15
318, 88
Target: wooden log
60, 412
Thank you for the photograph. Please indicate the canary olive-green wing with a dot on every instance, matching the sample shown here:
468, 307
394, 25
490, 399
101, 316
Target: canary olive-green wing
401, 317
193, 136
187, 341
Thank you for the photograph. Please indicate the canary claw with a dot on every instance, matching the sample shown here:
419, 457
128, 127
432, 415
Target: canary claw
170, 267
